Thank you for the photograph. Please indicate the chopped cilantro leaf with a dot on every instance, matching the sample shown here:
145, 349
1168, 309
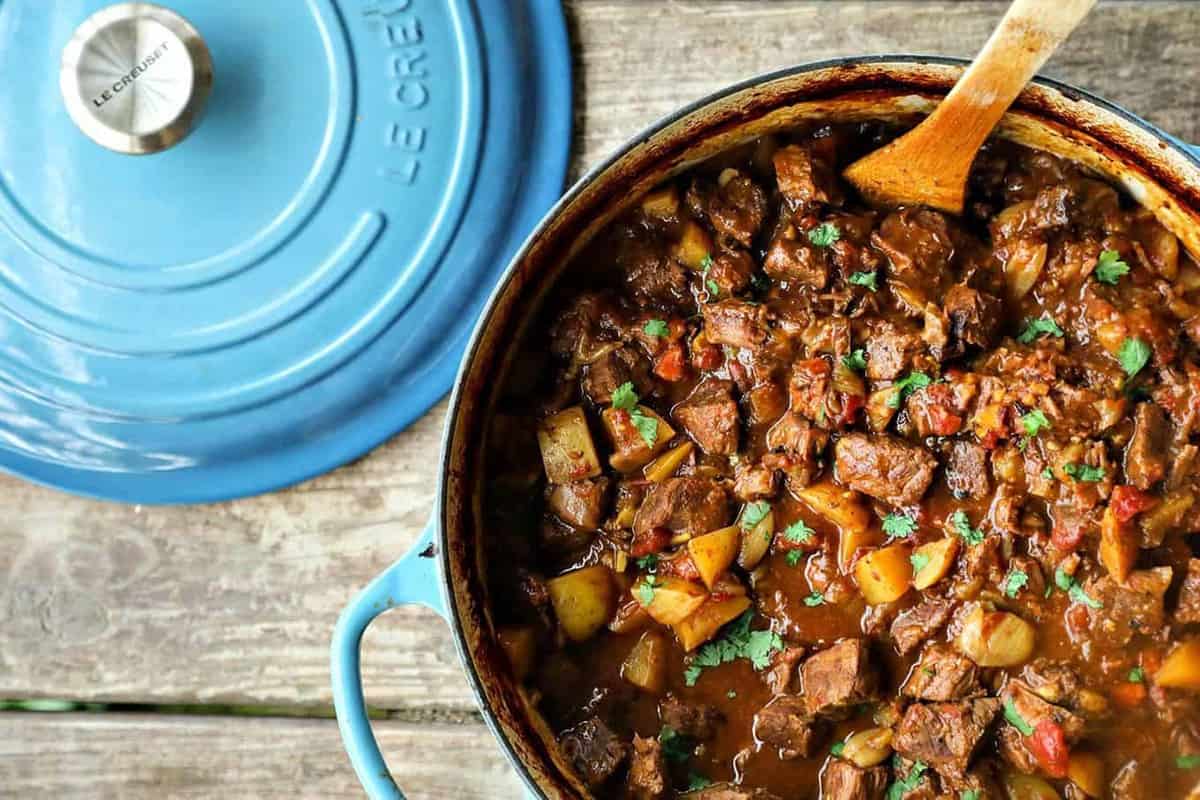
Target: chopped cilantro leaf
824, 234
1074, 591
675, 746
1034, 421
731, 694
868, 279
815, 599
1083, 472
656, 327
1078, 595
1015, 719
1048, 473
798, 532
962, 526
1015, 581
907, 385
899, 526
754, 513
706, 262
738, 641
648, 563
645, 589
793, 557
696, 782
1188, 762
901, 787
838, 748
625, 397
1036, 327
968, 794
1110, 267
1137, 675
647, 426
1133, 355
1062, 580
713, 289
919, 561
856, 360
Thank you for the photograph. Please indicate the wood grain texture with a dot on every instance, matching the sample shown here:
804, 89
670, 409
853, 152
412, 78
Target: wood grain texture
103, 756
235, 602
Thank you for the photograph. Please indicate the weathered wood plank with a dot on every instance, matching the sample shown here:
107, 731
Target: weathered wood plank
99, 756
235, 602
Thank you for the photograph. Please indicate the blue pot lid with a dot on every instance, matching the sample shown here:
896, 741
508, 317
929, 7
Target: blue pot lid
294, 281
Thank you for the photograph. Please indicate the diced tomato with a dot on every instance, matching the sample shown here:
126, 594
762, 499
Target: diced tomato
1049, 747
707, 357
851, 404
1068, 533
943, 422
814, 367
654, 540
1128, 695
672, 364
1129, 501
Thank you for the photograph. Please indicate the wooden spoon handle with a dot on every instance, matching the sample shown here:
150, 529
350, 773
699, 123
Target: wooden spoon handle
1027, 36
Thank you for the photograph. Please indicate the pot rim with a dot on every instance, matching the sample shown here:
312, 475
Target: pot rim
577, 188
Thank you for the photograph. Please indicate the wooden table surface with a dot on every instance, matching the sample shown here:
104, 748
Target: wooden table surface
151, 630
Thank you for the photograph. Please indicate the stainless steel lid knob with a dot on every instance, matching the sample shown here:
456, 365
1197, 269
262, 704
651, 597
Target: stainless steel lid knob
135, 77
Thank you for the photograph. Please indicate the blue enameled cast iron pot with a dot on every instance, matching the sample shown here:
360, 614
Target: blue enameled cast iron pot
444, 571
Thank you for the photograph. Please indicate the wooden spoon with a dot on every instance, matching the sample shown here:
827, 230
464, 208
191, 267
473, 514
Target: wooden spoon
929, 164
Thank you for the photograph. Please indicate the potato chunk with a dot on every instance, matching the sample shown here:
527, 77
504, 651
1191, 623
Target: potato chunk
630, 449
568, 452
583, 600
935, 560
714, 552
996, 638
843, 507
1181, 668
668, 599
885, 574
646, 665
707, 620
694, 246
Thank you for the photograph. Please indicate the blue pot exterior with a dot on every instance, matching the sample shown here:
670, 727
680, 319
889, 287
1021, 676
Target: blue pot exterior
443, 588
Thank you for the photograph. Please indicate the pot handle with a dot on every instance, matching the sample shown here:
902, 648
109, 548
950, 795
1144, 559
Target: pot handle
413, 580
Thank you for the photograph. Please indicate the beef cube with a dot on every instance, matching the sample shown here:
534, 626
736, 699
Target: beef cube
1187, 610
766, 402
890, 351
945, 735
917, 777
980, 779
781, 676
914, 626
967, 471
1012, 749
796, 447
584, 325
683, 505
734, 206
710, 417
1136, 607
885, 467
728, 791
731, 270
651, 275
839, 677
580, 503
975, 316
803, 179
560, 540
736, 323
1052, 681
1146, 455
1032, 708
917, 242
624, 365
841, 780
792, 258
784, 724
593, 750
648, 776
943, 674
693, 720
754, 482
